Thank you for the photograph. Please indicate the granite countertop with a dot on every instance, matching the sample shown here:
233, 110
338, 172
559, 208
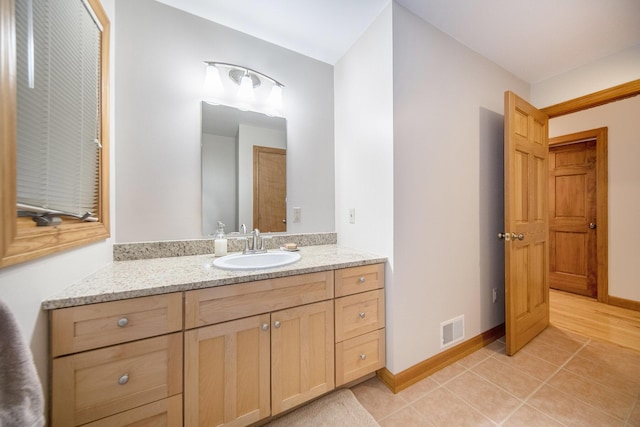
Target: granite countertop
130, 279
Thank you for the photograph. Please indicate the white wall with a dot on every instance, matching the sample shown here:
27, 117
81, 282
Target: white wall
248, 136
624, 186
25, 285
616, 69
364, 141
364, 147
448, 188
160, 76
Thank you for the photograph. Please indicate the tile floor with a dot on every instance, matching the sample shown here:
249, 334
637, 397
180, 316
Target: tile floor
559, 379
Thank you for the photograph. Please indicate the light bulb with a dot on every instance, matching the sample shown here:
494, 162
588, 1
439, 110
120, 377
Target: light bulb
245, 93
212, 84
275, 98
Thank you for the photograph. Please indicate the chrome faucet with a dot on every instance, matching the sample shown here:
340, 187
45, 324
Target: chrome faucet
256, 239
257, 246
243, 228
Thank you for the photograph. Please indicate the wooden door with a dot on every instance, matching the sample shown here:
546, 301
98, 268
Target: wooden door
526, 222
573, 259
302, 346
227, 373
269, 189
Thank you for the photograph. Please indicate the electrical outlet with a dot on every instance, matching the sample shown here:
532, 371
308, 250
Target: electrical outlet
297, 214
352, 215
495, 295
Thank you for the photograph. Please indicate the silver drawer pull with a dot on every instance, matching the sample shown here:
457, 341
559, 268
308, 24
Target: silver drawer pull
363, 356
362, 314
276, 324
265, 326
123, 379
361, 279
123, 322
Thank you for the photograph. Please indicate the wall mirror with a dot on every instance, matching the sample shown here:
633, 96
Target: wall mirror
243, 156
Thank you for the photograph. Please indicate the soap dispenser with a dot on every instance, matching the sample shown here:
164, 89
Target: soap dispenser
220, 241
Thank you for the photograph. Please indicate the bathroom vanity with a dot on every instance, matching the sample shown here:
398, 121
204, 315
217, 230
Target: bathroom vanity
194, 345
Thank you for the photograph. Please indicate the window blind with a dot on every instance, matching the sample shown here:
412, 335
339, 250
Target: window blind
58, 115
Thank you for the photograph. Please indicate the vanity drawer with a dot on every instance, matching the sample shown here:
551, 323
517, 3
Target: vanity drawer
359, 356
163, 413
359, 279
358, 314
96, 384
93, 326
223, 303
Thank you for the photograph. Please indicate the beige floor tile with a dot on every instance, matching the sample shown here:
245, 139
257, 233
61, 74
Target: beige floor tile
446, 374
561, 337
526, 416
624, 360
605, 398
476, 357
605, 371
419, 389
496, 347
493, 402
377, 398
569, 410
443, 409
406, 417
511, 379
529, 364
546, 350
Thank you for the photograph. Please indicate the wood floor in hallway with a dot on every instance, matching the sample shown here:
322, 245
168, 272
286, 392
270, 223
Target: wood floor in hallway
592, 319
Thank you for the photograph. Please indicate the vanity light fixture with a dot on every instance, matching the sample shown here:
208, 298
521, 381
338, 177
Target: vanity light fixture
256, 92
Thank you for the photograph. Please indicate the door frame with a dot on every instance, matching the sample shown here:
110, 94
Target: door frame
602, 196
615, 93
605, 96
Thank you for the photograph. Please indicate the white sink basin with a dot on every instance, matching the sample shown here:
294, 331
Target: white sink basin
256, 261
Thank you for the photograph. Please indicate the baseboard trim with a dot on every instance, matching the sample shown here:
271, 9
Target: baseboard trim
402, 380
624, 303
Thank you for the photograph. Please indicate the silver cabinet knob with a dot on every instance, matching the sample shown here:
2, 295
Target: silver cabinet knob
123, 379
592, 225
123, 322
362, 314
265, 326
363, 356
276, 324
361, 279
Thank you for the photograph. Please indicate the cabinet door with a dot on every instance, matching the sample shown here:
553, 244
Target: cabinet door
302, 350
227, 373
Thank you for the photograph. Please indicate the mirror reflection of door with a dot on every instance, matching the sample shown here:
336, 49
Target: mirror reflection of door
228, 138
269, 189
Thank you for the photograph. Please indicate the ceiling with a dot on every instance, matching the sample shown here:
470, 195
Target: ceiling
534, 39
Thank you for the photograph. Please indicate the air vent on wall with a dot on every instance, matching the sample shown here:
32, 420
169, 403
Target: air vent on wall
451, 331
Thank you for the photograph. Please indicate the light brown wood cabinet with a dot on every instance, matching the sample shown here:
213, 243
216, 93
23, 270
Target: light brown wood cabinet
246, 351
240, 371
132, 357
359, 322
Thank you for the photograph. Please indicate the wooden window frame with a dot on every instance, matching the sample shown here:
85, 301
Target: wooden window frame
20, 238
